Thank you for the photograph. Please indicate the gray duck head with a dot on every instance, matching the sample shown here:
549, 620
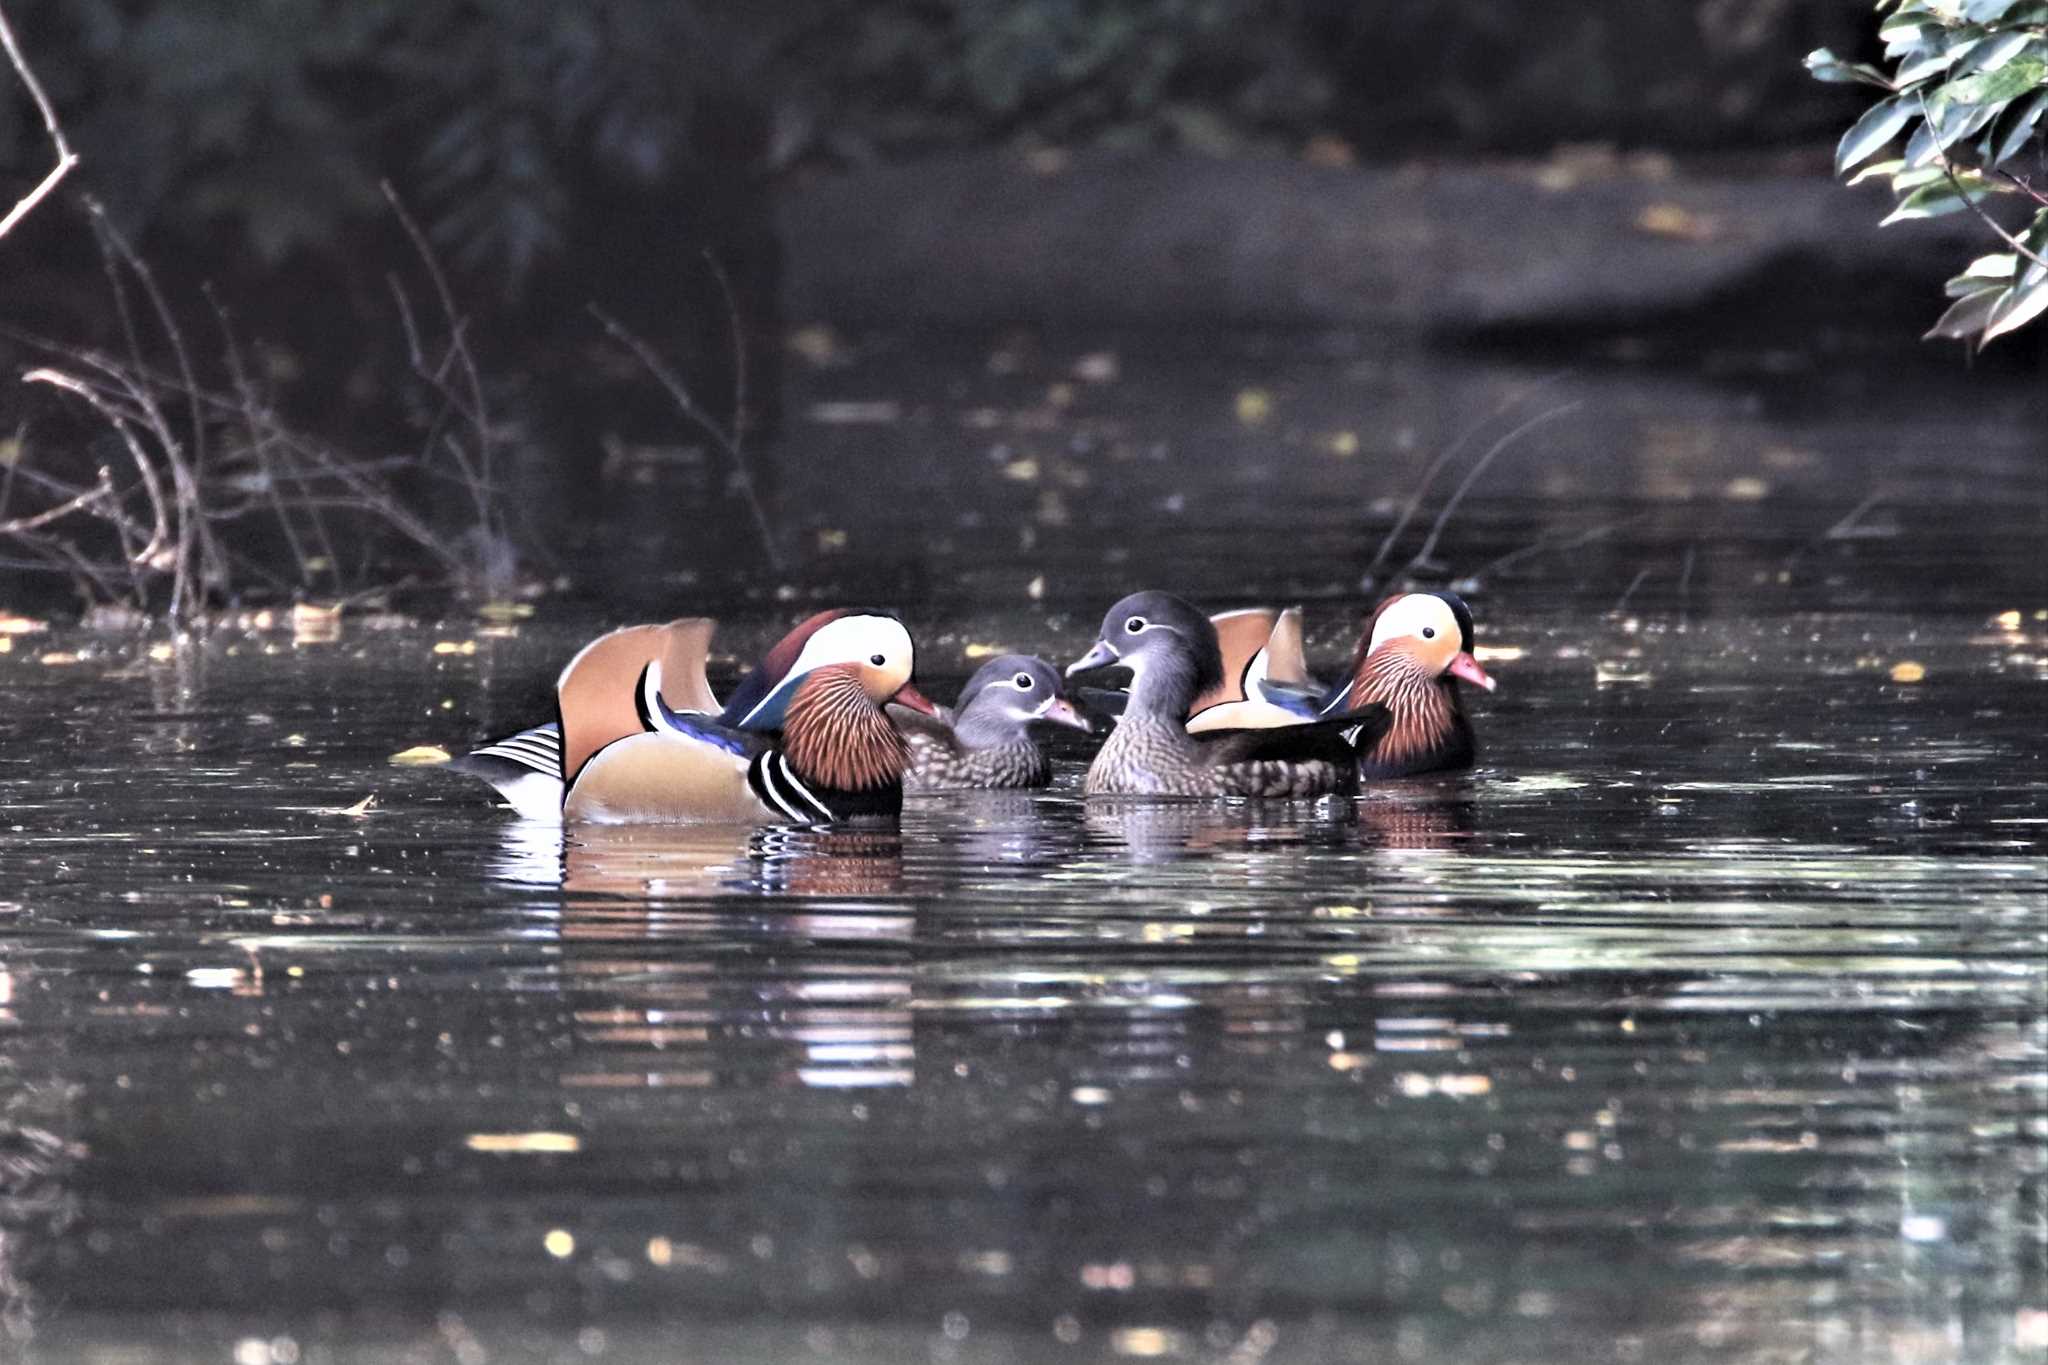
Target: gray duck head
1169, 647
1006, 697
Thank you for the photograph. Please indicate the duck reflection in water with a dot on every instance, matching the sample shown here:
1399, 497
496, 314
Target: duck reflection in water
664, 862
1433, 816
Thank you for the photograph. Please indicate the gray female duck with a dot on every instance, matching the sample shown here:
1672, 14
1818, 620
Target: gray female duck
990, 739
1174, 657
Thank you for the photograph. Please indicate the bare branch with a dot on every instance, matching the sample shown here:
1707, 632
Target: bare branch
101, 490
679, 394
66, 158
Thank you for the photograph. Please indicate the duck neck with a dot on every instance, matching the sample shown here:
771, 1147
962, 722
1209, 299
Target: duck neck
1423, 710
1164, 686
987, 728
836, 737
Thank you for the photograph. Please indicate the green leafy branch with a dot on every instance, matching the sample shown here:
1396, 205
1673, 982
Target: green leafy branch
1968, 93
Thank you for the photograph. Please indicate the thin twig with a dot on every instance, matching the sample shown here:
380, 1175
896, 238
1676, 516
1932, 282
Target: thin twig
66, 158
478, 410
1443, 518
1630, 590
1444, 457
103, 489
1571, 542
679, 394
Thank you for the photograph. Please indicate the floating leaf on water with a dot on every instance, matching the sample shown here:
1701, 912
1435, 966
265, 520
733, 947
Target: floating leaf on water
1254, 406
819, 346
11, 624
2008, 620
982, 651
1748, 488
510, 1143
455, 646
1098, 367
362, 807
854, 412
1677, 221
504, 613
1035, 589
420, 755
1908, 672
1343, 444
59, 659
1023, 471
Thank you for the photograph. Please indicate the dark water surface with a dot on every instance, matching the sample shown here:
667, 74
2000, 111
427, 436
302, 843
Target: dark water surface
1706, 1020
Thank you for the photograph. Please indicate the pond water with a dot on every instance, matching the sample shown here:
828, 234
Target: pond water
1706, 1019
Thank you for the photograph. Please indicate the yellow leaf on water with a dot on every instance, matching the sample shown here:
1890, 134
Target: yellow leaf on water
981, 651
1674, 220
1908, 672
455, 646
58, 659
504, 613
420, 755
1254, 406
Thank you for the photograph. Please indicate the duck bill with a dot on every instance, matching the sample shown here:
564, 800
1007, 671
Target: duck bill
1466, 667
1063, 712
909, 696
1101, 655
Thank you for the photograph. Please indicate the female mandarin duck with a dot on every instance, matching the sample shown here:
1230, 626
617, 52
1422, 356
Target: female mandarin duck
1258, 748
1412, 650
987, 741
641, 738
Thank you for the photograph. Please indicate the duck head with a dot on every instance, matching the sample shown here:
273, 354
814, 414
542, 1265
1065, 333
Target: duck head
869, 649
1168, 646
1430, 632
1412, 650
1009, 695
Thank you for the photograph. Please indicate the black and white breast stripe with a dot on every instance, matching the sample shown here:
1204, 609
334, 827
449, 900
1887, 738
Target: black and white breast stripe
539, 749
779, 789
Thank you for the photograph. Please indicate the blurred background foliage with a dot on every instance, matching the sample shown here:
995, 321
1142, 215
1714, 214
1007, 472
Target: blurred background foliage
264, 126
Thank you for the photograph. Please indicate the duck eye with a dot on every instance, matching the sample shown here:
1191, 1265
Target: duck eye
1429, 632
1135, 624
1024, 682
877, 660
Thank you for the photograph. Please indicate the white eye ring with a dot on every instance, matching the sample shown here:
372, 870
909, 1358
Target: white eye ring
1023, 682
878, 659
1135, 624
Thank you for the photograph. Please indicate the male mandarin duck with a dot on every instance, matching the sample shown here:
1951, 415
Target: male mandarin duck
642, 739
1413, 649
987, 741
1262, 749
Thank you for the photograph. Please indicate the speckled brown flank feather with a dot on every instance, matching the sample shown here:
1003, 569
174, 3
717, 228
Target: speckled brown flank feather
836, 738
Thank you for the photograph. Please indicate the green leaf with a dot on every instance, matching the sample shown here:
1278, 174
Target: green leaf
1826, 66
2019, 306
2017, 77
1877, 170
1880, 124
1968, 315
1984, 272
1990, 53
1931, 201
1986, 11
2013, 130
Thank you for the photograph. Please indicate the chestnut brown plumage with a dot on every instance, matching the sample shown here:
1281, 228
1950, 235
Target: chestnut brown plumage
1408, 656
836, 737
